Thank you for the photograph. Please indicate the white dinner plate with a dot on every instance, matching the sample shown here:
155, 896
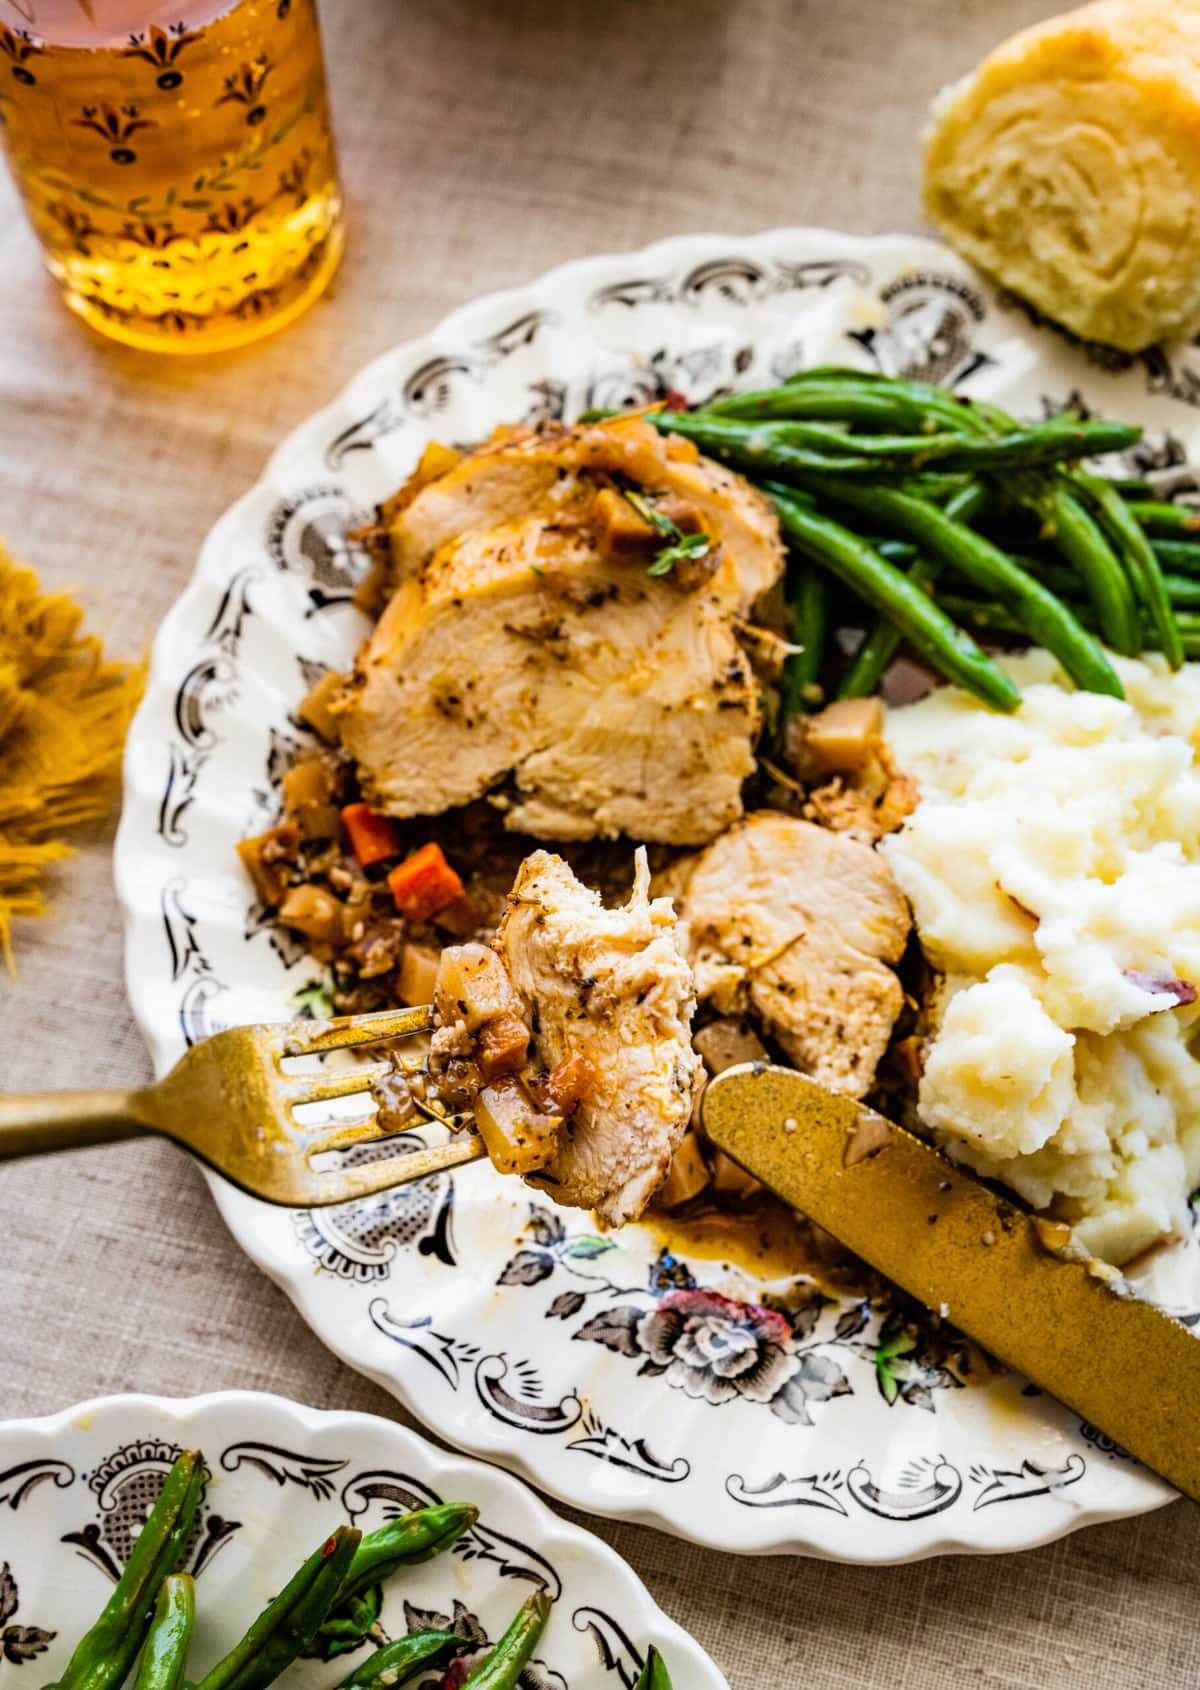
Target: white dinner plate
609, 1372
75, 1489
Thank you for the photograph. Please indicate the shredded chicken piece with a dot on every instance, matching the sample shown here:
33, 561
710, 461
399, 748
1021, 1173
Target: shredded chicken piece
609, 998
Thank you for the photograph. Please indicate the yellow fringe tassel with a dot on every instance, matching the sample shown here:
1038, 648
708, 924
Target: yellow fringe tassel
63, 716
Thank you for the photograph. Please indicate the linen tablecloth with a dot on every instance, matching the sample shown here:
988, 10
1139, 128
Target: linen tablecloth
482, 141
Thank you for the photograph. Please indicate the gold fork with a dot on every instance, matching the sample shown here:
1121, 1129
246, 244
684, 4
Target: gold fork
230, 1101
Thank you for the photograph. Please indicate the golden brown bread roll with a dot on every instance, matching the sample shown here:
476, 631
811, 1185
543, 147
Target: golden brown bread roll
1068, 167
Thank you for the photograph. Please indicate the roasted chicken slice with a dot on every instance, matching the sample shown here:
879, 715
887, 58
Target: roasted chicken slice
604, 1000
528, 657
525, 471
799, 925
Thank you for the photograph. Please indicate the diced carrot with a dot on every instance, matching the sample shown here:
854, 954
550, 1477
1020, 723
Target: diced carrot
424, 883
503, 1046
569, 1083
373, 838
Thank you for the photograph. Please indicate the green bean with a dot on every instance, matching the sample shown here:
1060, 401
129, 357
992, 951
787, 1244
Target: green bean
879, 645
947, 648
1179, 555
654, 1675
932, 484
987, 613
501, 1669
404, 1542
832, 404
896, 551
1183, 592
1044, 617
397, 1662
289, 1623
957, 410
786, 448
808, 627
1157, 517
1073, 533
105, 1653
164, 1656
1132, 546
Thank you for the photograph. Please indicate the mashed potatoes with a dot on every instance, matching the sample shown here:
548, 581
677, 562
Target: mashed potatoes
1053, 867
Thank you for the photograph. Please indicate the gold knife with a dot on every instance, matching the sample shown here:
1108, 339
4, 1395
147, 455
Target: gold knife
1014, 1282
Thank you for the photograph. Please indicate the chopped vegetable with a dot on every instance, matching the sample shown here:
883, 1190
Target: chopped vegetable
473, 987
621, 529
566, 1086
416, 975
315, 1000
424, 884
373, 838
518, 1137
844, 737
729, 1180
315, 913
686, 1177
269, 859
308, 797
503, 1046
727, 1041
314, 708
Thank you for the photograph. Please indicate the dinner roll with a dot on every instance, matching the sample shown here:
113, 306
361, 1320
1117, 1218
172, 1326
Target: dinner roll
1068, 166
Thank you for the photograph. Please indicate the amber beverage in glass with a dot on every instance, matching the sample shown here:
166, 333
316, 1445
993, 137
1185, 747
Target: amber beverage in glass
177, 163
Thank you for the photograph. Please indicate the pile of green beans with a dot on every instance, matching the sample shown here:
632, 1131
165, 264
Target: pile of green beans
329, 1605
948, 517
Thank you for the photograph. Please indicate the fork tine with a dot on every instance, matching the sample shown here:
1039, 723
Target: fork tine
323, 1088
343, 1185
303, 1039
345, 1135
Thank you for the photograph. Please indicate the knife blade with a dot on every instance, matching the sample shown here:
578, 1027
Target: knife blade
1014, 1282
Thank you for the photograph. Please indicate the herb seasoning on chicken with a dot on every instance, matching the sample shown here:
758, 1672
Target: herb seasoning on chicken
544, 647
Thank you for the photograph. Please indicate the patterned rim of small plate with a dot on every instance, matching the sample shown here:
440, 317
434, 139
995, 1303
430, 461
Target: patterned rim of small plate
869, 1494
349, 1465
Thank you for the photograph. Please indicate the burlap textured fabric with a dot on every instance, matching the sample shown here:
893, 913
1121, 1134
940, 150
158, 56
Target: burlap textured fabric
482, 141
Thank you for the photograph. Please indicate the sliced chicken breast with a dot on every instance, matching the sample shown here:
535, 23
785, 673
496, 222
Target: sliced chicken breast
522, 658
524, 471
610, 986
798, 924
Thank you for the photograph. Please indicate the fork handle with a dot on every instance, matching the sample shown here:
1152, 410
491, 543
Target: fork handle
37, 1121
